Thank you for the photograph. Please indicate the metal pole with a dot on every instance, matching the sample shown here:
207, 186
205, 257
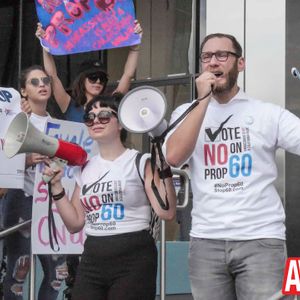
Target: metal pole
163, 260
163, 251
32, 277
14, 228
20, 39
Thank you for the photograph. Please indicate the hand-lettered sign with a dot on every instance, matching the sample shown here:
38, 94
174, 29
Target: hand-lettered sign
74, 26
68, 243
12, 169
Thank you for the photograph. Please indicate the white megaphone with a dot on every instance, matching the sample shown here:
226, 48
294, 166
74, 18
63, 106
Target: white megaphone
23, 137
143, 110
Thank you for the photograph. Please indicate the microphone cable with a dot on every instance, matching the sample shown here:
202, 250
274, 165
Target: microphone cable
158, 141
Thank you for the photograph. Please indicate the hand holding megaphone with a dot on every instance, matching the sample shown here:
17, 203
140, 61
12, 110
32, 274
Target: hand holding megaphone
23, 137
55, 164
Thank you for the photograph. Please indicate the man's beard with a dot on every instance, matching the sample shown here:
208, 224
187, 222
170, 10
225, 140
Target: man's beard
230, 82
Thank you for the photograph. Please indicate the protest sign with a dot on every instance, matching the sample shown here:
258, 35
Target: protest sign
74, 26
12, 170
68, 243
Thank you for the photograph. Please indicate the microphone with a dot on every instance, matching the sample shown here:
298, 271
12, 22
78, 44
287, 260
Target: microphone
295, 73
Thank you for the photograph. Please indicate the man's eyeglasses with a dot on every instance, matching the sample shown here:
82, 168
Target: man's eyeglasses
103, 117
92, 78
36, 81
222, 56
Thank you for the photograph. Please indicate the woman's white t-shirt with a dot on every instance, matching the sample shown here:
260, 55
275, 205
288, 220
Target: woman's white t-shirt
113, 195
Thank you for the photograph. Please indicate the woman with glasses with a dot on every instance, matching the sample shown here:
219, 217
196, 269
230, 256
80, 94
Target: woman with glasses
36, 89
113, 199
90, 82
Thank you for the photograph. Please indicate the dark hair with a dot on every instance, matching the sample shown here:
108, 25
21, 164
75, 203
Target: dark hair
111, 101
24, 74
78, 88
236, 45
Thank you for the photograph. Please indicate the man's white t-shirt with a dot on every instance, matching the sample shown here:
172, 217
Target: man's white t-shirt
233, 169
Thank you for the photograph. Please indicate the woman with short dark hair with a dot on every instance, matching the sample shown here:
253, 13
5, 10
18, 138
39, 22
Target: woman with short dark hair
112, 200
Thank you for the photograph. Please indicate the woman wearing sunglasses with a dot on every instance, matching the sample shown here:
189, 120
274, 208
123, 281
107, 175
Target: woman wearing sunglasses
90, 82
36, 88
114, 204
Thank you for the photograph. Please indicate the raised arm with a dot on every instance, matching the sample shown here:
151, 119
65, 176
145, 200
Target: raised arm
61, 96
131, 64
181, 143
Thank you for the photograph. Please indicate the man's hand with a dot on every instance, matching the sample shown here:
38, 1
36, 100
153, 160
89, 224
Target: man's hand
205, 83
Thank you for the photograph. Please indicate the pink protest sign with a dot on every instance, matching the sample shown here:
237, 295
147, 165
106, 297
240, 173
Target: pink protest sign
74, 26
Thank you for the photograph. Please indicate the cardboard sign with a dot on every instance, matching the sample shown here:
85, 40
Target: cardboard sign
68, 243
74, 26
12, 170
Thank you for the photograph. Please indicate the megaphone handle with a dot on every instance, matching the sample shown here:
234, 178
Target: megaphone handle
164, 206
55, 163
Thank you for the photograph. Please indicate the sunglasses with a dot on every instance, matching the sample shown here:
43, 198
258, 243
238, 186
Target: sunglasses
92, 78
103, 117
36, 81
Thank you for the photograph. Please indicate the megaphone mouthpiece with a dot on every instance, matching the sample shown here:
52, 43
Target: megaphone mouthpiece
144, 112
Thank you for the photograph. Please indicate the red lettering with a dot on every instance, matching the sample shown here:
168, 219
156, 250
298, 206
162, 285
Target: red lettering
74, 10
42, 190
63, 236
222, 154
85, 204
84, 4
50, 36
59, 22
95, 202
209, 154
291, 280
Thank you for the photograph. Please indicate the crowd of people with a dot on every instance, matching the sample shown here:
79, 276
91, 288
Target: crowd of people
228, 140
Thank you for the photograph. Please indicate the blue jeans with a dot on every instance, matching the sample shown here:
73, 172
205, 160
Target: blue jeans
230, 270
18, 208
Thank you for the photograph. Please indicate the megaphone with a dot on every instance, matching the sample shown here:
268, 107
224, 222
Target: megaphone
22, 137
143, 110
